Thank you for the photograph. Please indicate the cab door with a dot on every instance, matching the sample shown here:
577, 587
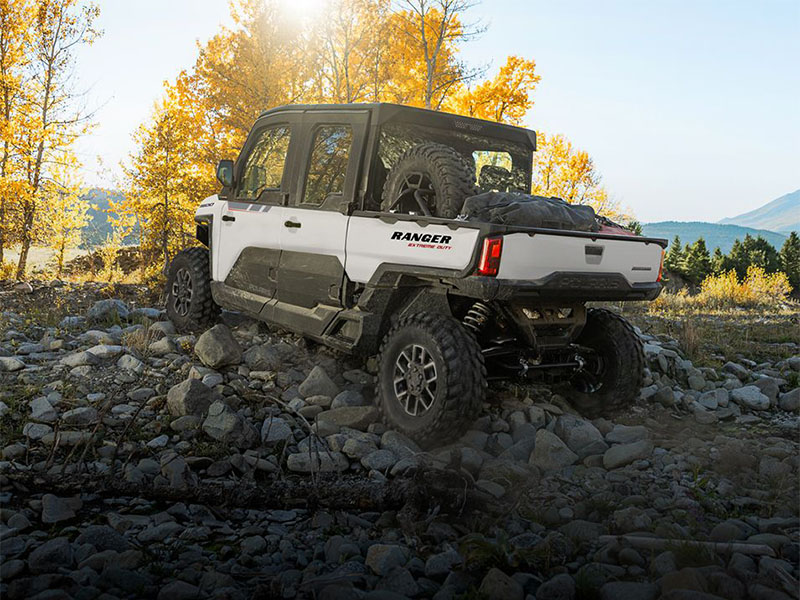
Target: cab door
248, 254
314, 228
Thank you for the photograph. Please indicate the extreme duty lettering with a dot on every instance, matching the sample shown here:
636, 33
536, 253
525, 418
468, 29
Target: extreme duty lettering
421, 237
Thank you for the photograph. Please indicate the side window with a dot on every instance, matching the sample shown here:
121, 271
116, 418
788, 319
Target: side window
264, 167
327, 168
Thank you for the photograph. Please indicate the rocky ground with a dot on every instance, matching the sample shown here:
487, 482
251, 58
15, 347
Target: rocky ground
245, 463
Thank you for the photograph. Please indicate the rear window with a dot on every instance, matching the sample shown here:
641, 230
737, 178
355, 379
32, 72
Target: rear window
499, 165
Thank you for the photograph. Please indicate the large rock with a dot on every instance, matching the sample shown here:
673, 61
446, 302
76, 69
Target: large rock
275, 429
9, 364
550, 452
55, 509
105, 350
318, 383
626, 434
262, 358
625, 454
736, 369
108, 310
51, 556
382, 558
628, 590
558, 587
103, 537
225, 425
583, 438
496, 585
189, 397
751, 397
83, 415
317, 462
355, 417
79, 359
217, 347
790, 400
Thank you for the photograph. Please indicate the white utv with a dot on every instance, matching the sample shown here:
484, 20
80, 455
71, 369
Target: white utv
344, 223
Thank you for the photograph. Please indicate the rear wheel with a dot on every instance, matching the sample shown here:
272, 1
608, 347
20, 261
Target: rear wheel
188, 291
431, 378
429, 179
612, 375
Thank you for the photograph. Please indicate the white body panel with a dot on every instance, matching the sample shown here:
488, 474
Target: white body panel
255, 225
320, 232
535, 256
372, 242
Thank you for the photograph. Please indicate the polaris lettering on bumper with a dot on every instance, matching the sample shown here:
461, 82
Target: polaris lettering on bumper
423, 240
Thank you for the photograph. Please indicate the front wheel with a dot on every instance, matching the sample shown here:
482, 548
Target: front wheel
188, 292
431, 378
612, 375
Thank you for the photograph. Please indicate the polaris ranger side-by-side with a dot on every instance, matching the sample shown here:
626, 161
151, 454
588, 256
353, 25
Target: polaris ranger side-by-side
347, 224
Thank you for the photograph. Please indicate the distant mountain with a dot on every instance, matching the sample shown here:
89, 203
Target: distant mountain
782, 215
99, 228
714, 234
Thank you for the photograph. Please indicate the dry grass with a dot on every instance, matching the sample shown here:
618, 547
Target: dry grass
758, 289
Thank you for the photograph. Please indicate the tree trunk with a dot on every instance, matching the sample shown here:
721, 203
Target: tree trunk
27, 228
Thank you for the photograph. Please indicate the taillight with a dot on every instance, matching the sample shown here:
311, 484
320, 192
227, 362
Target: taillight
661, 266
489, 263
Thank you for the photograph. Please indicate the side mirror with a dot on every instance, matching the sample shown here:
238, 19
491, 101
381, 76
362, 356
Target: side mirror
225, 173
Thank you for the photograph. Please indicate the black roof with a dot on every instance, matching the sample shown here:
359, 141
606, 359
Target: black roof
384, 112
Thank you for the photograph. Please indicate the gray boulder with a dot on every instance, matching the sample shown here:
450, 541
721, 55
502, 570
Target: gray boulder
317, 462
736, 369
55, 509
790, 400
348, 398
130, 363
625, 454
626, 434
108, 310
189, 397
51, 556
262, 358
80, 359
496, 585
9, 364
218, 348
318, 383
382, 558
583, 438
355, 417
550, 452
751, 397
225, 425
275, 429
83, 415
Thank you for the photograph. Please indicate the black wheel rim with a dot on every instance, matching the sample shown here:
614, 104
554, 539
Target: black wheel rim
588, 379
415, 195
182, 292
415, 380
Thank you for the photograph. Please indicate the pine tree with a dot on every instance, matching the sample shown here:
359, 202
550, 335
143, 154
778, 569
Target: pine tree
719, 262
790, 259
697, 261
674, 260
756, 252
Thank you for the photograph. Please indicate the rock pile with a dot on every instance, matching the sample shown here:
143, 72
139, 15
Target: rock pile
116, 429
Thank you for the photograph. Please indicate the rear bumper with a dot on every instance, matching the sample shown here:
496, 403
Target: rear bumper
582, 287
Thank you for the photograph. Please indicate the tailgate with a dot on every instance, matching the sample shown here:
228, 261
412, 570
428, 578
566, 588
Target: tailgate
533, 256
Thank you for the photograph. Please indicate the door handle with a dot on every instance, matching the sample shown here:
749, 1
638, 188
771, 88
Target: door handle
228, 218
291, 224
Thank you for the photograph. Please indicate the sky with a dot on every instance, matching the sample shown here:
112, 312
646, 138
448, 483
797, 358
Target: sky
690, 108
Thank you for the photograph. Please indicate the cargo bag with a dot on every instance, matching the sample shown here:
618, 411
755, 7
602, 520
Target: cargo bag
525, 210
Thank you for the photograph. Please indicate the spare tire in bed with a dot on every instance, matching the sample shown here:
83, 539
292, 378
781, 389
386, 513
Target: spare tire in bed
525, 210
429, 179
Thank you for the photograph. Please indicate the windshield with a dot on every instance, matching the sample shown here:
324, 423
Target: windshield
500, 165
